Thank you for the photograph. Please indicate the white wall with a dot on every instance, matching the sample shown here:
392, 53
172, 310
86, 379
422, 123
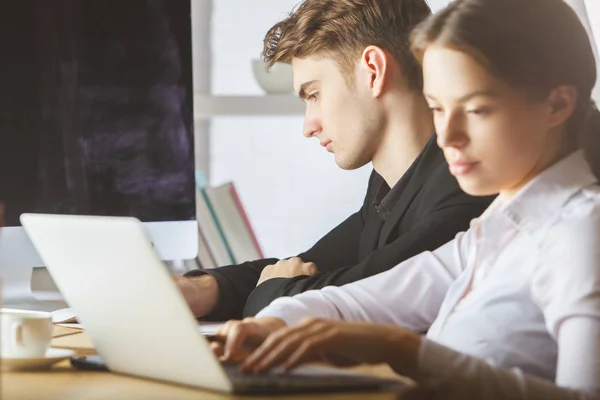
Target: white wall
292, 189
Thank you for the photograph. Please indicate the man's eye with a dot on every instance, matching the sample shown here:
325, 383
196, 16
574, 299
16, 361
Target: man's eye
313, 96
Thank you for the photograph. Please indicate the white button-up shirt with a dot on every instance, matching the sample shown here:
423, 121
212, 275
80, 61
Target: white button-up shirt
514, 299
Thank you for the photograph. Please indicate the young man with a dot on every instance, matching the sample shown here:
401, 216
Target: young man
362, 87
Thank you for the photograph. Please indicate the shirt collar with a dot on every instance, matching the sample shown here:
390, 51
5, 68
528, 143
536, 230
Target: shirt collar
547, 192
388, 197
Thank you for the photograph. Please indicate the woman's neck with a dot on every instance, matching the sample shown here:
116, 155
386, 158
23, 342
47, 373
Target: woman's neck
554, 151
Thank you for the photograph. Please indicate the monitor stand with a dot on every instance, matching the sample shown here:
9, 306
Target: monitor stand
17, 289
17, 293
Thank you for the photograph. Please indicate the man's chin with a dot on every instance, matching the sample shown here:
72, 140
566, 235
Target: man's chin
350, 165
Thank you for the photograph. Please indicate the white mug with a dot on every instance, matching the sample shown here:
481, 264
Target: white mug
24, 334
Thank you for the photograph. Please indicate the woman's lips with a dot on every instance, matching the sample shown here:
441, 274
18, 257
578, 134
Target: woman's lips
459, 168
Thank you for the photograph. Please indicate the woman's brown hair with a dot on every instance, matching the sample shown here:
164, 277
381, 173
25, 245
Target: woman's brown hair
533, 45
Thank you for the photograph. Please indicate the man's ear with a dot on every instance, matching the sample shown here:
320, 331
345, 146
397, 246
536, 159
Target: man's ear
375, 63
561, 104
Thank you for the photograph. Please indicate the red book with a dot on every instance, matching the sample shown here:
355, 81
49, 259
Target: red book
234, 223
242, 210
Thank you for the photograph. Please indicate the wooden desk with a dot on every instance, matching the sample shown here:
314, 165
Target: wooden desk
65, 383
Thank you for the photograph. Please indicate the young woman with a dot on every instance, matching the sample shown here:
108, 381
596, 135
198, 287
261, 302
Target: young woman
513, 305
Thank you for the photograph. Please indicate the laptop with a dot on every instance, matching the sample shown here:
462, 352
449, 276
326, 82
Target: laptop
130, 306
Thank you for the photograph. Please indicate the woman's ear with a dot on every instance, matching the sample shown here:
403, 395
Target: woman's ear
375, 63
561, 104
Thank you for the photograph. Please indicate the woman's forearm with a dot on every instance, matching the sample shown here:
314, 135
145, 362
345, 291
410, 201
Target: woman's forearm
404, 354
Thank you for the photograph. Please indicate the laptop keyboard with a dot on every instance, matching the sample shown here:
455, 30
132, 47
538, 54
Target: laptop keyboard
282, 382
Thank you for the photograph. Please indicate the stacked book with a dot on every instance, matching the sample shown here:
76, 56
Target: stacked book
225, 234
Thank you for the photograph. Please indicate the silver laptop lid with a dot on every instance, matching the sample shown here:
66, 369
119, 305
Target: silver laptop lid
107, 270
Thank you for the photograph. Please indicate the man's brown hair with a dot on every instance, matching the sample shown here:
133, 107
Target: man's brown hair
342, 29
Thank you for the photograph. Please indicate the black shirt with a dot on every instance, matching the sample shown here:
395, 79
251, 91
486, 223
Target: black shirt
386, 197
423, 211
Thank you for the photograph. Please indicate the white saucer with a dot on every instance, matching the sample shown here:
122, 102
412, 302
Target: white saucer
53, 355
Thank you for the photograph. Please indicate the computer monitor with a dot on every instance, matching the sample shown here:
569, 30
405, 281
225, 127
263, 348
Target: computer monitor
96, 118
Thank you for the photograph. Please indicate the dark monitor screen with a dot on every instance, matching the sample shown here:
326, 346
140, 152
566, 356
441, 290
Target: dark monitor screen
96, 108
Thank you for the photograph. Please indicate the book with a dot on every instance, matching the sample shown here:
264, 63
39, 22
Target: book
205, 258
211, 231
242, 211
234, 222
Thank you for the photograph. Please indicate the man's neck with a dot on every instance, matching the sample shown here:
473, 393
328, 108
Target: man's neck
408, 128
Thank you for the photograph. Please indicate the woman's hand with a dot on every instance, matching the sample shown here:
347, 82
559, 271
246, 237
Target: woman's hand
235, 339
338, 343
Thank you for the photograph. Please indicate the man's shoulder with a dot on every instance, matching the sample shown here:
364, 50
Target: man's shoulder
432, 174
442, 188
441, 179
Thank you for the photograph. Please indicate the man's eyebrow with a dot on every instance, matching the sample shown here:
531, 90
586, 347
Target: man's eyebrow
469, 96
304, 88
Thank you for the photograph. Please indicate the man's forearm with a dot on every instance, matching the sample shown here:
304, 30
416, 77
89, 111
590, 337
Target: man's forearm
234, 283
200, 292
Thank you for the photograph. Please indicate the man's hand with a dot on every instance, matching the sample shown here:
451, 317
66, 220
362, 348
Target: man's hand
200, 292
234, 340
287, 269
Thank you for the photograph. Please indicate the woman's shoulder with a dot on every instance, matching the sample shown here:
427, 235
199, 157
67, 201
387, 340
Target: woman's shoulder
581, 211
567, 278
573, 235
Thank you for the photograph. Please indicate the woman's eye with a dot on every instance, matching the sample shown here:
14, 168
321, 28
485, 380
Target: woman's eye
313, 96
479, 111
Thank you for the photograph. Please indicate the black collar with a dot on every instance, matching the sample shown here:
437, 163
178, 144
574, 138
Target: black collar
386, 198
